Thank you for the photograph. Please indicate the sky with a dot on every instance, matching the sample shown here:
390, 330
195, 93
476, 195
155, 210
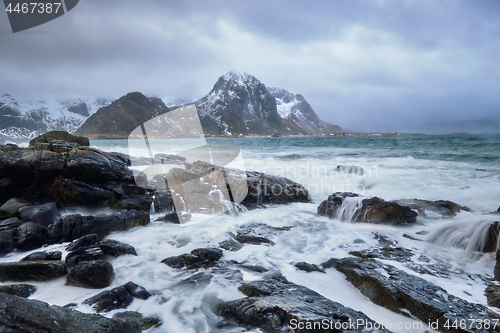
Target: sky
378, 65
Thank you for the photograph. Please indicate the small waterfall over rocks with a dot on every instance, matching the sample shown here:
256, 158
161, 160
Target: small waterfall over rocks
349, 207
482, 236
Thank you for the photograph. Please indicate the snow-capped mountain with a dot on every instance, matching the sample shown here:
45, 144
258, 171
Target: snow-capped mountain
240, 104
24, 119
297, 114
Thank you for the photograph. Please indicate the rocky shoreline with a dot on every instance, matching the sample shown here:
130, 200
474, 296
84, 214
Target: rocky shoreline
40, 184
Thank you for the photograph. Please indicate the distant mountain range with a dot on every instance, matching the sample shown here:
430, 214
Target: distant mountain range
22, 120
238, 104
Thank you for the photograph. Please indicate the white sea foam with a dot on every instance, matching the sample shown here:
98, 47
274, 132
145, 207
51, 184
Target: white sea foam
312, 238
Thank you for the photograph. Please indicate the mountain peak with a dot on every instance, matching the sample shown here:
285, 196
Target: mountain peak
235, 75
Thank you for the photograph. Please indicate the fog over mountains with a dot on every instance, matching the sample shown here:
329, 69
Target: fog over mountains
238, 104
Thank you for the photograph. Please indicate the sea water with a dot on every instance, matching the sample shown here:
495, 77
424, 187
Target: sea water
464, 168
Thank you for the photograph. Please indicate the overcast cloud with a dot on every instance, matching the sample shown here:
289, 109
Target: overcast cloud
364, 65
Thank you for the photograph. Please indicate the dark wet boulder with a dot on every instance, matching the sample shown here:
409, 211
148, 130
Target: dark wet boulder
145, 322
21, 290
272, 190
307, 267
10, 208
40, 214
82, 241
434, 209
117, 298
7, 241
42, 255
204, 257
91, 274
272, 306
115, 248
30, 236
492, 293
28, 315
32, 270
84, 253
73, 192
93, 165
137, 291
71, 227
351, 207
252, 189
401, 292
57, 136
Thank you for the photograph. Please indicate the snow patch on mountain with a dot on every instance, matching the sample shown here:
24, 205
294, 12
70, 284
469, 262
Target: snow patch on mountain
286, 102
26, 119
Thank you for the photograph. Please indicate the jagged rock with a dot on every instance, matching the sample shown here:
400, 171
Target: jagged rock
21, 290
490, 244
492, 294
41, 214
496, 270
388, 253
10, 208
32, 270
91, 274
198, 258
84, 253
115, 248
82, 176
28, 315
30, 236
82, 241
72, 192
7, 241
10, 224
52, 136
272, 307
430, 209
71, 227
371, 210
401, 292
117, 298
304, 266
146, 322
37, 256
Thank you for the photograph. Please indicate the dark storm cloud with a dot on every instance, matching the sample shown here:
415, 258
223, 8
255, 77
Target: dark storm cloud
366, 65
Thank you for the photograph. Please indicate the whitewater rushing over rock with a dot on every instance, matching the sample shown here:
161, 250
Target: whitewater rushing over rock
349, 207
480, 236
